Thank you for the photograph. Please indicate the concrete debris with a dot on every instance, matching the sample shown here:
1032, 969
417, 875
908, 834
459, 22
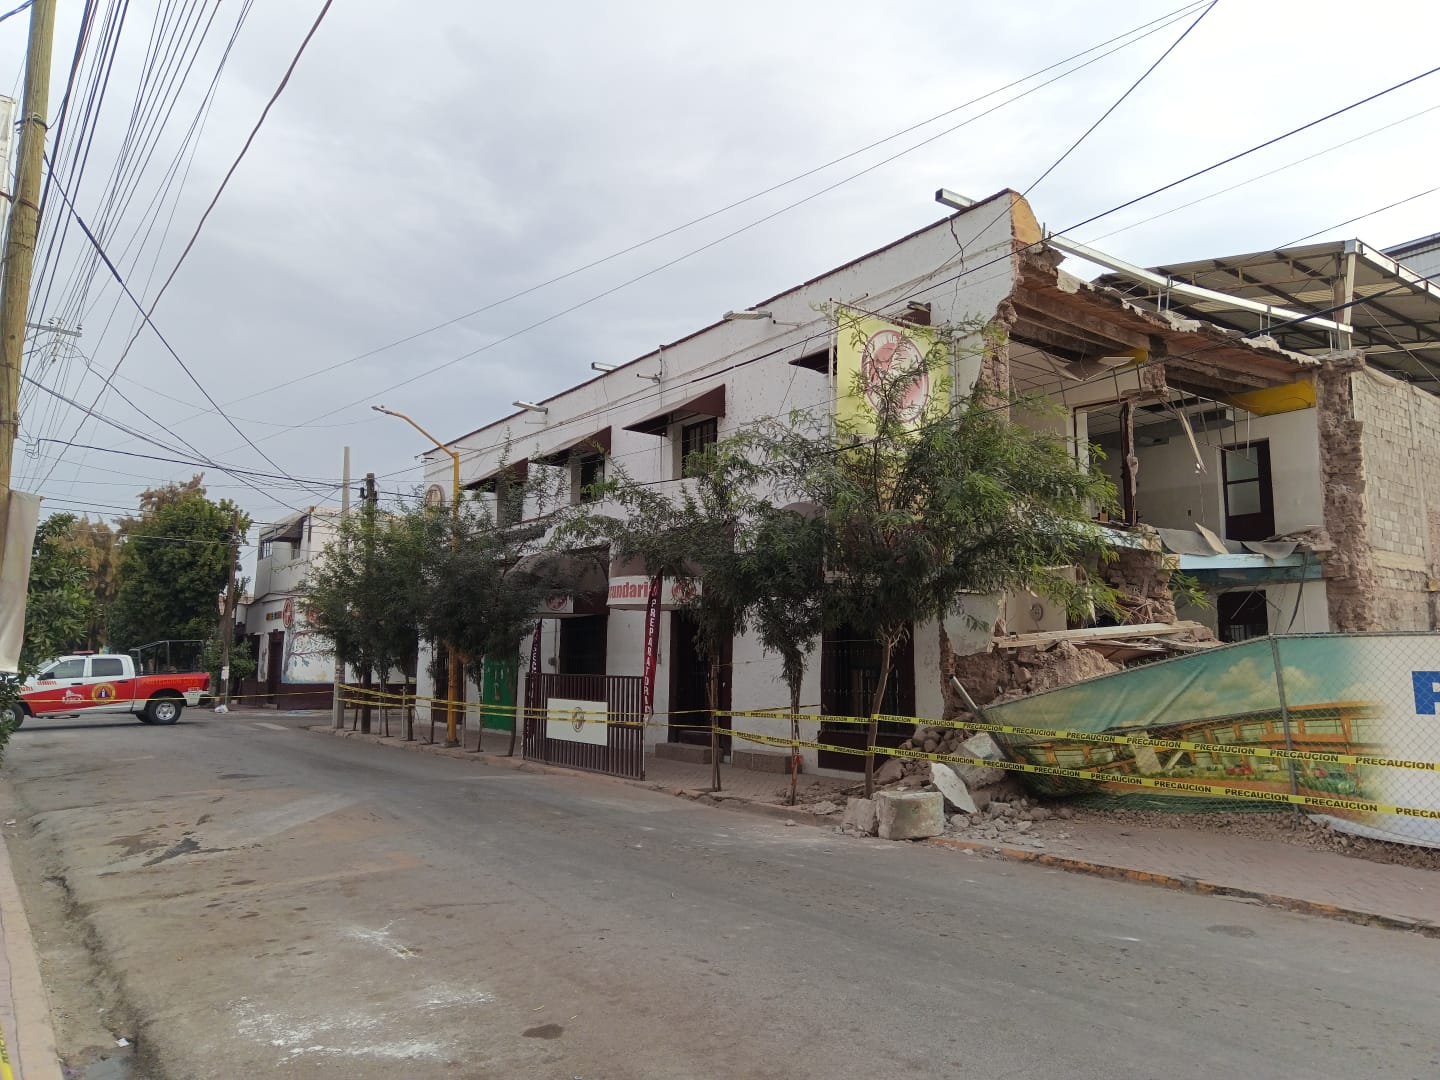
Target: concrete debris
960, 821
910, 815
952, 787
890, 772
823, 807
860, 816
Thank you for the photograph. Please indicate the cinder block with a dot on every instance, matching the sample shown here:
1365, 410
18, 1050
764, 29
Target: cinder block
909, 815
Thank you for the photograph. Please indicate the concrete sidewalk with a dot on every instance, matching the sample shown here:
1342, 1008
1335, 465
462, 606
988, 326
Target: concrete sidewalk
24, 1006
1265, 871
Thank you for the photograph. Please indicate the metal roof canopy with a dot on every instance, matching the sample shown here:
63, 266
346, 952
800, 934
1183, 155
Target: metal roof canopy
709, 403
1394, 314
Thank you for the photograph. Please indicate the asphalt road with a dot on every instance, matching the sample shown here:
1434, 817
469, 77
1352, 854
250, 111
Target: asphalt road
281, 903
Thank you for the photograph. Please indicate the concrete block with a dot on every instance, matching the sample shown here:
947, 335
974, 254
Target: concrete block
909, 815
951, 787
977, 776
676, 751
889, 772
773, 761
860, 816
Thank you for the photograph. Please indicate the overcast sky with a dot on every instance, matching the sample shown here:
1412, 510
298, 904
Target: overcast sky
430, 159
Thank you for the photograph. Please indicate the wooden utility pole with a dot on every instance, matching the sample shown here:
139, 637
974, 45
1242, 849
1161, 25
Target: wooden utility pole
227, 616
367, 676
20, 238
337, 707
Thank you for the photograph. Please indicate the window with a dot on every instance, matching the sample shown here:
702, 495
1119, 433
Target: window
108, 667
67, 669
1249, 496
694, 438
265, 546
1242, 615
589, 473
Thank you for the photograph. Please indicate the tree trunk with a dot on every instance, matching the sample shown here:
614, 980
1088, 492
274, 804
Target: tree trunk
887, 647
795, 739
713, 693
367, 683
407, 701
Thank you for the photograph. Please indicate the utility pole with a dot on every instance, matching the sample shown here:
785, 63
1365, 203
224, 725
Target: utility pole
367, 677
337, 705
227, 616
20, 238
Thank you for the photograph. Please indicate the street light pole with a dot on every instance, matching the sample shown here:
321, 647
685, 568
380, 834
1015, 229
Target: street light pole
452, 711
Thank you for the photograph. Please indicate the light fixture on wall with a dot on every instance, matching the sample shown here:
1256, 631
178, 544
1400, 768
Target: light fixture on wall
752, 313
596, 365
530, 407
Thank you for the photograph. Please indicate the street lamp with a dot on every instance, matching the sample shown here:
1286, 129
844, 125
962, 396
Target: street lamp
452, 709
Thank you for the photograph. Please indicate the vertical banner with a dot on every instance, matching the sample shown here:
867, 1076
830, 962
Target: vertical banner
23, 514
652, 647
871, 353
535, 648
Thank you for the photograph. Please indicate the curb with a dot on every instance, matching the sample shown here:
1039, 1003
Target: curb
1192, 885
25, 1011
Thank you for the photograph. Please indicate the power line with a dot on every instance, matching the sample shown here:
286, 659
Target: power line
1151, 28
1120, 100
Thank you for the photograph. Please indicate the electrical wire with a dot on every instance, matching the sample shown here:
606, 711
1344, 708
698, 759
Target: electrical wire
1150, 27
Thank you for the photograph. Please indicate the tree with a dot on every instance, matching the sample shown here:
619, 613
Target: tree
693, 535
923, 506
58, 607
99, 545
782, 558
482, 593
361, 594
174, 564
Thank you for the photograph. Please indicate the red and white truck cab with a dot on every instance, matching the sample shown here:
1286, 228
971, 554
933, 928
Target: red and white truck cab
106, 683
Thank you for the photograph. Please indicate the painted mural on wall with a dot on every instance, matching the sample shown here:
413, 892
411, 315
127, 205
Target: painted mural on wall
1358, 725
308, 658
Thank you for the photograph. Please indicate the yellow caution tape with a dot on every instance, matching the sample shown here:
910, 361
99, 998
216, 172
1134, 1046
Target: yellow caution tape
1278, 753
1188, 786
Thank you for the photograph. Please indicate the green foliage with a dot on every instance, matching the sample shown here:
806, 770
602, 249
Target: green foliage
174, 563
918, 513
362, 592
99, 546
60, 602
242, 664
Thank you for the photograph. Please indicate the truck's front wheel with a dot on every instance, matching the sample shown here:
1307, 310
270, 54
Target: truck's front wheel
13, 715
163, 710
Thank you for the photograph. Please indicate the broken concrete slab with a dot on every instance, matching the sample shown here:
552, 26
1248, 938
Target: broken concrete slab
978, 776
891, 771
860, 815
823, 807
951, 787
910, 815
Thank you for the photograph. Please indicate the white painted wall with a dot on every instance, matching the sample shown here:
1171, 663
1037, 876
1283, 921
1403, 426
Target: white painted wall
1174, 495
751, 359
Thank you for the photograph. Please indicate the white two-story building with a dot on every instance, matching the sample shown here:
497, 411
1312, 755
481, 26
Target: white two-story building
1085, 347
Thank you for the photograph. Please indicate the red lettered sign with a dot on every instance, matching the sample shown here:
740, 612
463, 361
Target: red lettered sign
652, 647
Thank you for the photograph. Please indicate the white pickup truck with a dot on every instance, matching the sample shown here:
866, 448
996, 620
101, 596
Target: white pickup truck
106, 683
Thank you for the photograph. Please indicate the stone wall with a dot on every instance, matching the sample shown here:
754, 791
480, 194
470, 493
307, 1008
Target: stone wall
1400, 438
1348, 566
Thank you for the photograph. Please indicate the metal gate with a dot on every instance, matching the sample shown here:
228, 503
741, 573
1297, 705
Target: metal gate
622, 753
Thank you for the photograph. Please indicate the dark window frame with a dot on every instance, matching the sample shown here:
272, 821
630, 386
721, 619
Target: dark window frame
589, 471
694, 438
1258, 524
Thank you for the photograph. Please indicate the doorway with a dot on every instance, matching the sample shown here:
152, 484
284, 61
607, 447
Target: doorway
275, 667
1249, 493
583, 644
690, 717
849, 675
